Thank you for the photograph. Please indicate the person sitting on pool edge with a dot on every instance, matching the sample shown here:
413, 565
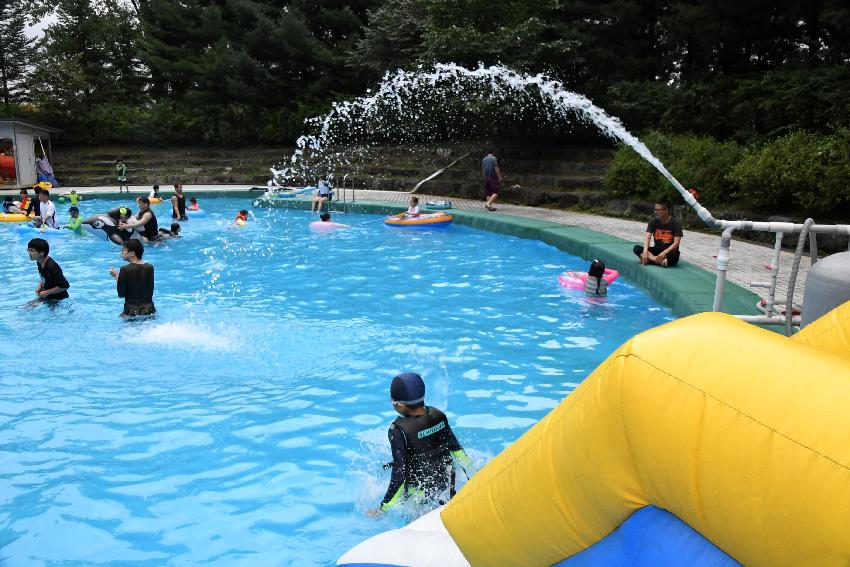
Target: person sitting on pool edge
323, 193
52, 285
422, 444
667, 233
135, 281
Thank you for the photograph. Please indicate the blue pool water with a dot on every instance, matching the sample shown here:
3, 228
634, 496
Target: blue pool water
246, 424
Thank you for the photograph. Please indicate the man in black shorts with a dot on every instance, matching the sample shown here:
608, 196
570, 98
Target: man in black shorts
667, 234
492, 180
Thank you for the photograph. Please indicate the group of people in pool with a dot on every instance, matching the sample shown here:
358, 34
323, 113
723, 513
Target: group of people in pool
135, 280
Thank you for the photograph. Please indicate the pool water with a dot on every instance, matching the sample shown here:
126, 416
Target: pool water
246, 423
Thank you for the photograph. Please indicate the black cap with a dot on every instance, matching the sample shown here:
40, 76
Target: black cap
408, 388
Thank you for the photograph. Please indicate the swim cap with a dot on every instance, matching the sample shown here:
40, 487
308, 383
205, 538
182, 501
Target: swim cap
408, 388
124, 211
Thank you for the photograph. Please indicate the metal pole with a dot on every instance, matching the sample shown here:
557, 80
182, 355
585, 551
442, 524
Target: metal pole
774, 274
792, 282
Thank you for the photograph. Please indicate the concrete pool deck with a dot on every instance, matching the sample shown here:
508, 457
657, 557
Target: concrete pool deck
687, 289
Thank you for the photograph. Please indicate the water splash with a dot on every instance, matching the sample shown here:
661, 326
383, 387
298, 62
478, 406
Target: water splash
401, 93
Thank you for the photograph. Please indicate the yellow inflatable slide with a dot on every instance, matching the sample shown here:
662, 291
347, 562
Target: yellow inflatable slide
737, 437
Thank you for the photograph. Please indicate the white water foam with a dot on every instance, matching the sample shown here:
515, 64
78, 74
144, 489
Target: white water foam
182, 335
402, 91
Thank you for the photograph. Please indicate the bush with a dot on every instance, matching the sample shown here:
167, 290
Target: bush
696, 161
805, 172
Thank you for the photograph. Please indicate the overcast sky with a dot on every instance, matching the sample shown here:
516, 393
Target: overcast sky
37, 30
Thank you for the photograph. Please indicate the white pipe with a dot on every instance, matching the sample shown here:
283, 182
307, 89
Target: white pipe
722, 265
766, 320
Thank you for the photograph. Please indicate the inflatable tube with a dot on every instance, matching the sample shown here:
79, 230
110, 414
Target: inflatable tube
196, 213
103, 226
13, 217
155, 200
29, 231
319, 226
738, 432
575, 280
432, 220
439, 205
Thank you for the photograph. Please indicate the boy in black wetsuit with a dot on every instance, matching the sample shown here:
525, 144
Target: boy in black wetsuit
422, 444
135, 281
53, 285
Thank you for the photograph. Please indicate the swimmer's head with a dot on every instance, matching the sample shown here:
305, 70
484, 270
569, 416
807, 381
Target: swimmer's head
74, 211
125, 212
134, 246
156, 188
175, 227
44, 193
597, 269
38, 246
414, 201
193, 200
244, 212
144, 201
407, 389
73, 191
326, 217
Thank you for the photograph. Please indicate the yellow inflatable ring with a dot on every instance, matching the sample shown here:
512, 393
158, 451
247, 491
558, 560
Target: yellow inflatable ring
155, 200
13, 217
433, 220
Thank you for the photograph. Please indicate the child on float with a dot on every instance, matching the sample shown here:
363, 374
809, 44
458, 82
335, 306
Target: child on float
154, 194
193, 205
9, 206
412, 211
422, 445
595, 284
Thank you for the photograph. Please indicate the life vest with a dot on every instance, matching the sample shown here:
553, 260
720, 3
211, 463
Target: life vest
427, 442
242, 217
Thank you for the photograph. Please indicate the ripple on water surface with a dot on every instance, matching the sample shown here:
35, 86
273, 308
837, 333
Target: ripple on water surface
246, 423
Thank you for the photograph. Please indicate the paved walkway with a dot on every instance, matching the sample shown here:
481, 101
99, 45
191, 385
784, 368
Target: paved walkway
747, 262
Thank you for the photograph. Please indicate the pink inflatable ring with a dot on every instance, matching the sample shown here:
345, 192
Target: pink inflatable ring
575, 280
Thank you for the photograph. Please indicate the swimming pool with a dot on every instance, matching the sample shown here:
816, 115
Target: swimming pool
246, 424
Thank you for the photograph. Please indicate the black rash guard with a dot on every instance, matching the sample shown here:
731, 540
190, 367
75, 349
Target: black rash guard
52, 276
135, 285
422, 448
150, 229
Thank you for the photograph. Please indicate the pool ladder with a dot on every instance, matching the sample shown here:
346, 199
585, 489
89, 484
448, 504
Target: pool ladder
342, 197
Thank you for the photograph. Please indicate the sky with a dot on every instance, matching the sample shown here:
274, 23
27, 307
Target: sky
37, 30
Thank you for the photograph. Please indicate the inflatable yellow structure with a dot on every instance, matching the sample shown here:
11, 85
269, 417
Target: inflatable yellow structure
740, 433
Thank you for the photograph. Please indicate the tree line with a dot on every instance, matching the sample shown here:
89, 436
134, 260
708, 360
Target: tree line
237, 72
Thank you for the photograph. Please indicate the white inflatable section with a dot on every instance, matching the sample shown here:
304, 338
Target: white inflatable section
422, 543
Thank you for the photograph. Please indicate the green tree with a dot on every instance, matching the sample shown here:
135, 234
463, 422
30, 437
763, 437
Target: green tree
15, 53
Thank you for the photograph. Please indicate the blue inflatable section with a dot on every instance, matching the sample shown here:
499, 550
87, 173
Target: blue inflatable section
651, 536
